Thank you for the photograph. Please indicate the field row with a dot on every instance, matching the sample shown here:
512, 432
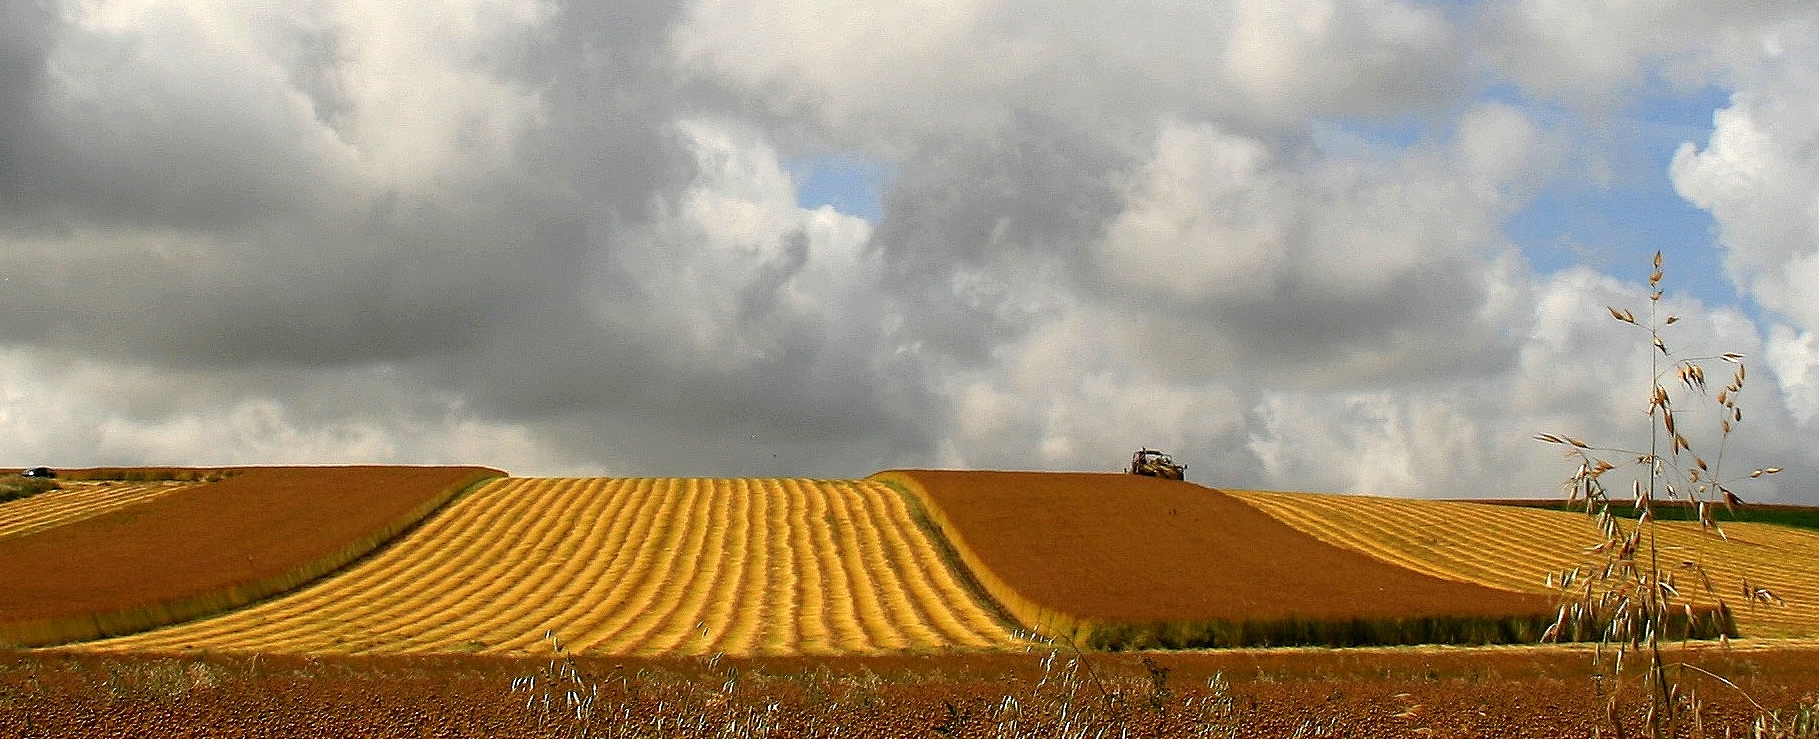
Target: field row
630, 566
1518, 548
200, 550
76, 501
1122, 561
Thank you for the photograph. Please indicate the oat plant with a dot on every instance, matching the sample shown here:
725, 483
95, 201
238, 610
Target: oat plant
1635, 598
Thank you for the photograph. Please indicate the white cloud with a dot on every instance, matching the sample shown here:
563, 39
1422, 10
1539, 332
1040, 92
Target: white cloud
1373, 443
1074, 394
1579, 373
736, 262
350, 102
970, 67
63, 411
1594, 55
1794, 358
557, 238
1759, 176
1333, 269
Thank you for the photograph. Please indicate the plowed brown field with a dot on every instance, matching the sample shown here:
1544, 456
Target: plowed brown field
630, 566
1517, 548
1080, 552
207, 548
1266, 694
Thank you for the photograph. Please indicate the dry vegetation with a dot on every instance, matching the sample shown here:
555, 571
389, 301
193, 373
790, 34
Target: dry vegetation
1521, 549
1414, 692
147, 474
815, 608
631, 566
15, 487
1121, 561
207, 548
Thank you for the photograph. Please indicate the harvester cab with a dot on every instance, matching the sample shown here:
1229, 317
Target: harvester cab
1152, 463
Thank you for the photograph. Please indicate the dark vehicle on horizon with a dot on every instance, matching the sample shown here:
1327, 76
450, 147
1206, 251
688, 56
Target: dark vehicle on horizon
1153, 463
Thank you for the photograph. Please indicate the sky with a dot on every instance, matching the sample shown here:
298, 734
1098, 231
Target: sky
1360, 247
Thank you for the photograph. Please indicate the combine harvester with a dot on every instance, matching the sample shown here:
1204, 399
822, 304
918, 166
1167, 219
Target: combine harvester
1153, 463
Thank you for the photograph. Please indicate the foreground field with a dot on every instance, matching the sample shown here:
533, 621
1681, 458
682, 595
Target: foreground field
206, 548
817, 608
1125, 561
1413, 692
631, 566
1518, 548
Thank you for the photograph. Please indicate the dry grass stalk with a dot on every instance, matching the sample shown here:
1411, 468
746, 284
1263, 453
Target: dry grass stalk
1635, 598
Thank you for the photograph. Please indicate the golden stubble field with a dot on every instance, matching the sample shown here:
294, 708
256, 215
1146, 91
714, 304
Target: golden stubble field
1518, 548
78, 500
808, 607
631, 566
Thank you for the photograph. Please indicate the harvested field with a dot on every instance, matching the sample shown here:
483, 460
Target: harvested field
1517, 548
75, 501
1121, 560
207, 548
630, 566
1437, 692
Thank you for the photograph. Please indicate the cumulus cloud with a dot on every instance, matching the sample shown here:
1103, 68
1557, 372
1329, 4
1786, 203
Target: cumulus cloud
1333, 268
975, 66
1597, 55
564, 237
1758, 175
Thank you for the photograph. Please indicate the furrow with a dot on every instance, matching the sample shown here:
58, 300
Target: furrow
363, 612
887, 556
808, 631
295, 619
946, 607
72, 504
613, 517
469, 590
843, 632
692, 625
746, 609
1517, 548
863, 588
657, 567
625, 572
528, 601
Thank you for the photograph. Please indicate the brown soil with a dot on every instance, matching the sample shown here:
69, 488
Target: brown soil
209, 547
1495, 692
1126, 547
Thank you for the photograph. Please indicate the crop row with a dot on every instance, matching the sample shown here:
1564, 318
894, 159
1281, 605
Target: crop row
1518, 548
1122, 561
76, 501
206, 549
630, 566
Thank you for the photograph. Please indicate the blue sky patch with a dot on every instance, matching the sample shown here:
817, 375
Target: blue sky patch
1617, 228
851, 184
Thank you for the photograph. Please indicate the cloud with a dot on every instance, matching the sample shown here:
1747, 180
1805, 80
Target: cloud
1757, 175
1317, 265
976, 66
1597, 55
562, 237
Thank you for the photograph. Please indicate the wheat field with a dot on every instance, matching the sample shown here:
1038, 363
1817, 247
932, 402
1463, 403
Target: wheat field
1516, 548
75, 501
630, 566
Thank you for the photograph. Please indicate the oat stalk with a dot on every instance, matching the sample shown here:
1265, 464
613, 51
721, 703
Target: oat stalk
1635, 599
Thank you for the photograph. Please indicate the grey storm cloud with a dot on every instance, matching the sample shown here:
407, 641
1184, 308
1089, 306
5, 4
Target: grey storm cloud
563, 237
